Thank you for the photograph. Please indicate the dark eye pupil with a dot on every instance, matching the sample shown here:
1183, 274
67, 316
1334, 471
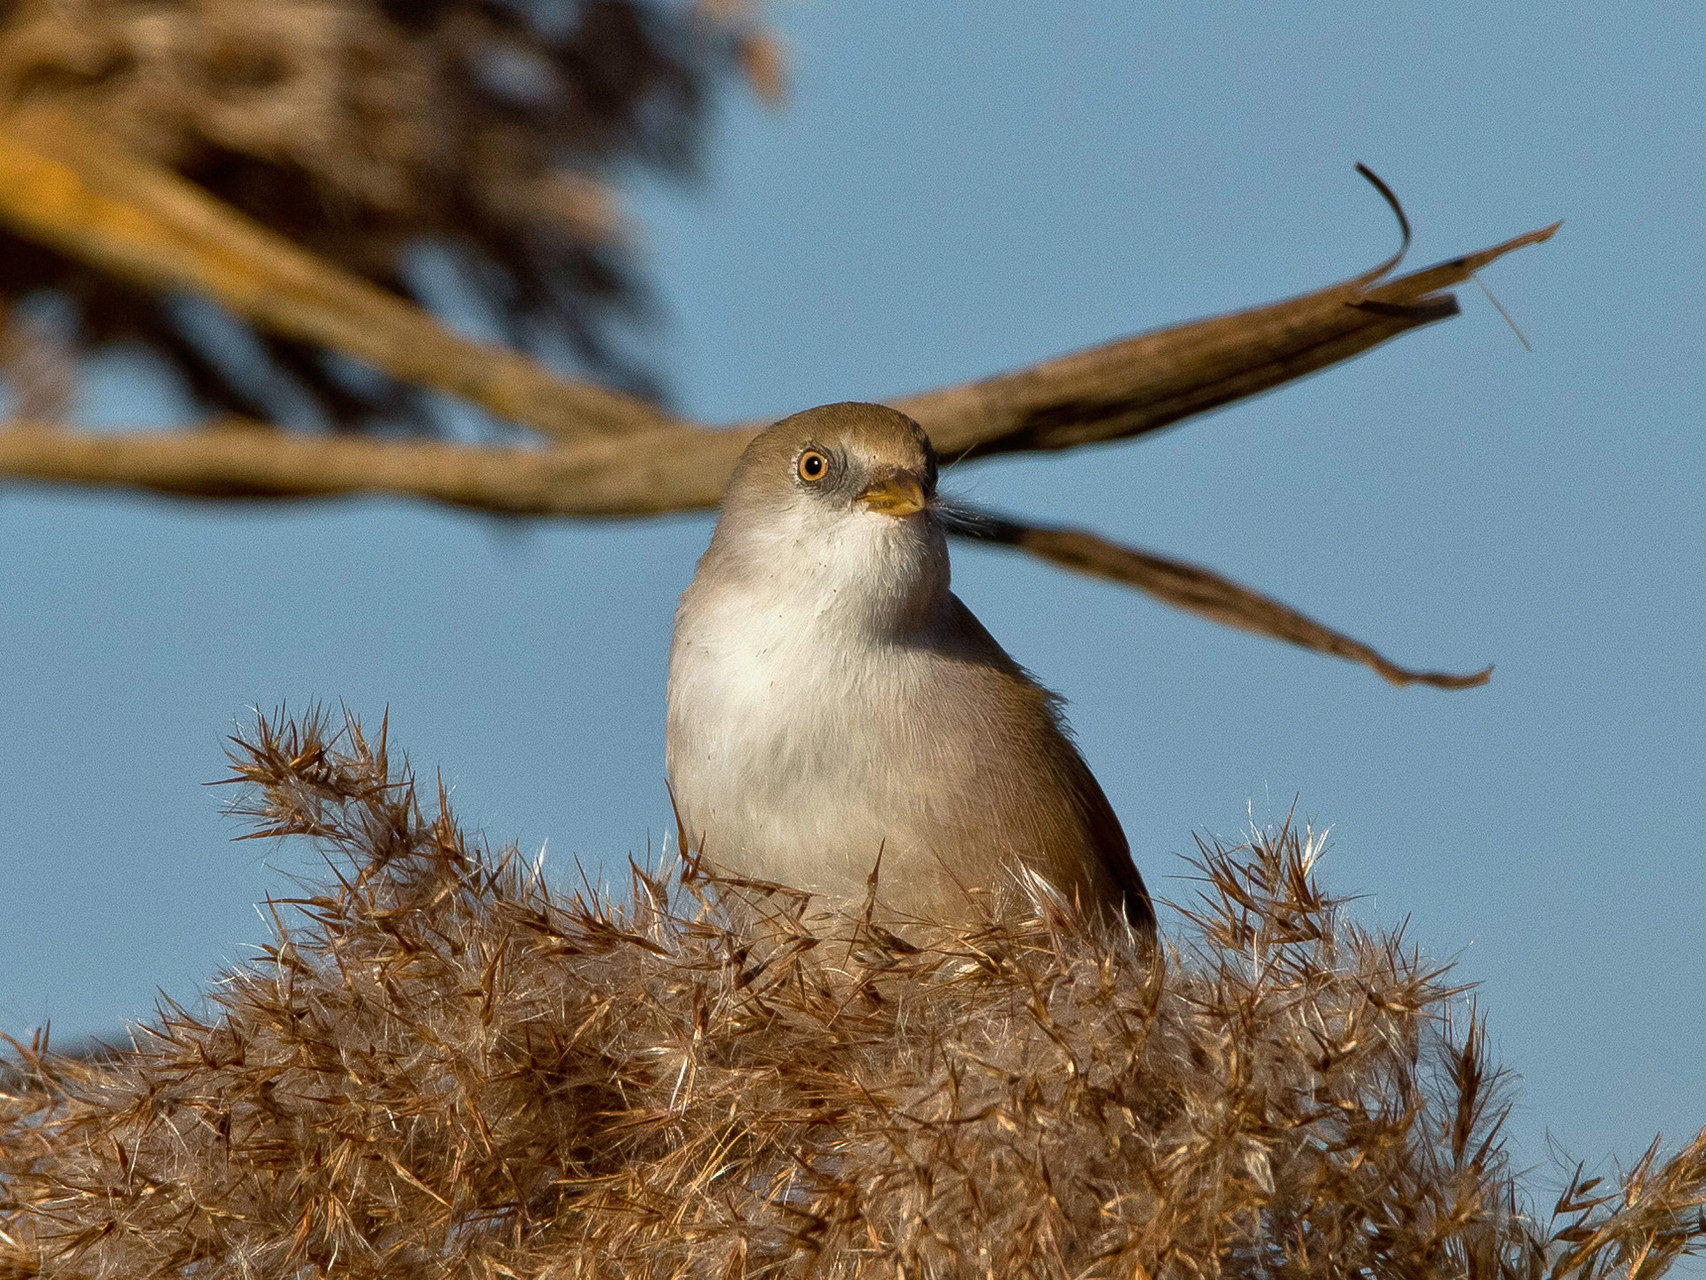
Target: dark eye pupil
814, 465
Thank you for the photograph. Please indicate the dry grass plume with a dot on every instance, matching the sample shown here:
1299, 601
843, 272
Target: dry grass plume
445, 1066
363, 130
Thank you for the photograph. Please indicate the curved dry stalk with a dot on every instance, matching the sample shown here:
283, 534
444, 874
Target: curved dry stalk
1197, 590
1138, 385
1124, 389
640, 475
614, 455
69, 187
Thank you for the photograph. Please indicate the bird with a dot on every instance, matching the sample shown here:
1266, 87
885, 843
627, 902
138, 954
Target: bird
835, 712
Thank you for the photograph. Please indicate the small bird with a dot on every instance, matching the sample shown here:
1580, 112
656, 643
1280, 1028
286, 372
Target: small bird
835, 709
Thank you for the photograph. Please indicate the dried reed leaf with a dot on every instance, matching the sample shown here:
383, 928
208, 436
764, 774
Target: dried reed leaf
1196, 590
71, 187
79, 191
1132, 387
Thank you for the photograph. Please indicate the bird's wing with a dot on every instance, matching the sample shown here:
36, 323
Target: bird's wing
1112, 848
1042, 732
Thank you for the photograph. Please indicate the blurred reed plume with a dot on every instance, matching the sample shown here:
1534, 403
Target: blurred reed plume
363, 130
444, 1066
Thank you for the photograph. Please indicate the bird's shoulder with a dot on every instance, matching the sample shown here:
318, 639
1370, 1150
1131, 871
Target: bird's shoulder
985, 671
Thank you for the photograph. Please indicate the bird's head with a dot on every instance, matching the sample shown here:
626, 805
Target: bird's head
835, 461
838, 501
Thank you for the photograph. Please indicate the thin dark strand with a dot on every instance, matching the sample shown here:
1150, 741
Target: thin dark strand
1499, 307
1397, 207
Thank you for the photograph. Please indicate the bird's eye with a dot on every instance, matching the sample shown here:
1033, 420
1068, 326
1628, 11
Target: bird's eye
813, 466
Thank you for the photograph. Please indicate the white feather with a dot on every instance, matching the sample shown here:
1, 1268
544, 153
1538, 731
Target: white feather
789, 689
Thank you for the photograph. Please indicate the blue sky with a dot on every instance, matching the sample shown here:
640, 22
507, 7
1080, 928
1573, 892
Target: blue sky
953, 190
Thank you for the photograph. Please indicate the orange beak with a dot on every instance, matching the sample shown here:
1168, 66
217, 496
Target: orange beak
895, 493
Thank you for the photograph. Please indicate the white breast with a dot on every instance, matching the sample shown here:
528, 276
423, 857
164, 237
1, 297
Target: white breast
794, 706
